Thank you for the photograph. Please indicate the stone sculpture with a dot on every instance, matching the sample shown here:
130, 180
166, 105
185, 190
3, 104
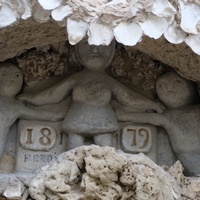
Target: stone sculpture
11, 80
181, 120
92, 90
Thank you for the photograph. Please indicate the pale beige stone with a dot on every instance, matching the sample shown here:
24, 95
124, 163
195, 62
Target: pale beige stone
68, 178
136, 175
7, 163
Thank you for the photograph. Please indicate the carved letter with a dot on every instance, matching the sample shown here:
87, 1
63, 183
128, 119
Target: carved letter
27, 157
144, 133
45, 140
134, 136
141, 133
29, 136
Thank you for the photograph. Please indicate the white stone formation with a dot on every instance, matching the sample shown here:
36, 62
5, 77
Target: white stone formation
93, 172
102, 20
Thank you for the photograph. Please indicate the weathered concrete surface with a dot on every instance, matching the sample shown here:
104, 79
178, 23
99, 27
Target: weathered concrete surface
179, 56
28, 34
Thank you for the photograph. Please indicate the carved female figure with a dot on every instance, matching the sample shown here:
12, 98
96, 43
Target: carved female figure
92, 90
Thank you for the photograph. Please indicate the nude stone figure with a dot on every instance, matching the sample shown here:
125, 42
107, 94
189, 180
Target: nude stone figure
181, 120
92, 90
11, 80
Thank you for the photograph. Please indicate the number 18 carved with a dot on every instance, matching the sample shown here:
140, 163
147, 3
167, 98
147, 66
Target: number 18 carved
38, 138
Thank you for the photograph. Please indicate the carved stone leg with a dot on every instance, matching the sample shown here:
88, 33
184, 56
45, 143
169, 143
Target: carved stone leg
75, 140
104, 139
3, 138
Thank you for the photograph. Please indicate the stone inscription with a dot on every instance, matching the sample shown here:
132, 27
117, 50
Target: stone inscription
38, 138
136, 138
143, 133
38, 144
38, 158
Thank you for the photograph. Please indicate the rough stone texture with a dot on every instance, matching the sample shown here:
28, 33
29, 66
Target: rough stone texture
92, 172
38, 64
179, 56
27, 34
136, 68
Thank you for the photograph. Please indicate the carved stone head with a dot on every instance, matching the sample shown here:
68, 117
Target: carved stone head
11, 80
175, 91
95, 57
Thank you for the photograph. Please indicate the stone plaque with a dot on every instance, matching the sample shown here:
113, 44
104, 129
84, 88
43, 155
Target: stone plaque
38, 144
138, 138
38, 137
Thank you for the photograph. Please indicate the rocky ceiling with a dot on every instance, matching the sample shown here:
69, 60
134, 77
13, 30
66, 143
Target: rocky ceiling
166, 30
27, 34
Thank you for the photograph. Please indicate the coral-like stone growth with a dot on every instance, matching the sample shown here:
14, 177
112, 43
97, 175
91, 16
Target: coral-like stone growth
38, 64
101, 173
93, 172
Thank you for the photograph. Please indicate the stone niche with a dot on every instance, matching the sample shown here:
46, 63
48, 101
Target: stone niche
125, 107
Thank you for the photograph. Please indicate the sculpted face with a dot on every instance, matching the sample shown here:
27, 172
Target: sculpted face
174, 91
95, 57
11, 80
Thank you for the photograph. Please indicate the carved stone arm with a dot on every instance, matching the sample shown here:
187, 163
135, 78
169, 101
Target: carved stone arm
54, 94
149, 118
133, 99
35, 114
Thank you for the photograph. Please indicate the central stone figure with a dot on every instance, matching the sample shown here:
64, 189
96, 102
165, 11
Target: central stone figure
90, 114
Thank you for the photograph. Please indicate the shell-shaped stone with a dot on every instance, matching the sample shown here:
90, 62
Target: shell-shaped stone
121, 8
76, 30
39, 14
100, 33
163, 8
128, 33
190, 16
61, 12
62, 23
193, 41
174, 34
50, 4
154, 26
27, 9
170, 19
7, 15
115, 2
